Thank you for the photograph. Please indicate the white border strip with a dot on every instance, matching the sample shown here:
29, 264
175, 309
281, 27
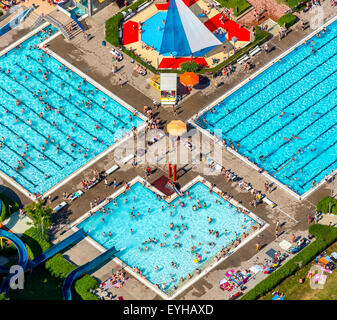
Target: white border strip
210, 267
241, 84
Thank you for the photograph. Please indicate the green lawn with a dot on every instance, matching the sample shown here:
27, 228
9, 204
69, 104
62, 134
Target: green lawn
239, 5
290, 3
38, 285
293, 290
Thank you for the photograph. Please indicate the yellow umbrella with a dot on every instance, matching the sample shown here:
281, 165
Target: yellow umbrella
176, 128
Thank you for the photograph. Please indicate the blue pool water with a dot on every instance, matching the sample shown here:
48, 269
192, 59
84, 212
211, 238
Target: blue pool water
301, 144
153, 37
25, 128
156, 222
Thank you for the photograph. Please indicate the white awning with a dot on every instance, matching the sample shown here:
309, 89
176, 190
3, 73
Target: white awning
168, 81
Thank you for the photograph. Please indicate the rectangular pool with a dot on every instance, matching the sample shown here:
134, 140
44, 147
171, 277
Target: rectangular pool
148, 217
52, 121
285, 119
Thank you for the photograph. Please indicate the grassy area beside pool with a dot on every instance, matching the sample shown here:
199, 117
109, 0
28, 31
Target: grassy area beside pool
293, 290
239, 6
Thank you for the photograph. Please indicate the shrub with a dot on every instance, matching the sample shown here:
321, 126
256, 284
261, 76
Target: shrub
111, 29
35, 245
288, 20
3, 295
58, 266
83, 285
189, 67
323, 205
112, 24
5, 210
324, 235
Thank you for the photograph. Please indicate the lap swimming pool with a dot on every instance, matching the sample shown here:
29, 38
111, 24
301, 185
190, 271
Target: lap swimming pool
285, 119
52, 121
173, 229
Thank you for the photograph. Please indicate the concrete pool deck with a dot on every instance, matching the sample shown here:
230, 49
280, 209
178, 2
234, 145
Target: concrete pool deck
289, 211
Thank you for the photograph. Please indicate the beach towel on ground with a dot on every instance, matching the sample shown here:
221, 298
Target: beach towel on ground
285, 245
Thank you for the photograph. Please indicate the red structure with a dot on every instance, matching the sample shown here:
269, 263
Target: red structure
174, 167
169, 170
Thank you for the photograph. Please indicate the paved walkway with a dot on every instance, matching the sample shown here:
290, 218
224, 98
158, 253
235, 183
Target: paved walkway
263, 10
289, 212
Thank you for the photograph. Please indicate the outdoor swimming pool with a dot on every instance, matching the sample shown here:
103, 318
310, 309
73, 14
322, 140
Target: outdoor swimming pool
285, 119
154, 221
60, 124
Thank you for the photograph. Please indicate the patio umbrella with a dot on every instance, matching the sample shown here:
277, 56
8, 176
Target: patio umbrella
176, 127
189, 79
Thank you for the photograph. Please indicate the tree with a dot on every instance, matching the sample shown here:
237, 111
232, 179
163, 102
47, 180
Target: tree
40, 215
3, 296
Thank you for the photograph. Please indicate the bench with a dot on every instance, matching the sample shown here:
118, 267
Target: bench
254, 51
60, 206
269, 202
112, 169
243, 59
127, 158
76, 195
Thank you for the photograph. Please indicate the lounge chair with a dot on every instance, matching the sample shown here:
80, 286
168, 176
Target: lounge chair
189, 146
229, 273
256, 268
116, 54
269, 202
157, 137
285, 245
277, 297
76, 195
127, 158
60, 206
322, 279
112, 169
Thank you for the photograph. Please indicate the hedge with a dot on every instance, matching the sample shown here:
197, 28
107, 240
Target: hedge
83, 285
112, 24
3, 213
323, 205
295, 3
58, 266
288, 19
324, 235
35, 246
5, 201
238, 6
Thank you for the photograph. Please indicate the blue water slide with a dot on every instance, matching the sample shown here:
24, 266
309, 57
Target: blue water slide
22, 251
73, 16
23, 254
91, 265
75, 237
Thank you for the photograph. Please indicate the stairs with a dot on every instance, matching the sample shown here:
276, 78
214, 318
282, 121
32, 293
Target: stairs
34, 21
58, 25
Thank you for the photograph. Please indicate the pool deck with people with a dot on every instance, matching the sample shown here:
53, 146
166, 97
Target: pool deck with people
289, 212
